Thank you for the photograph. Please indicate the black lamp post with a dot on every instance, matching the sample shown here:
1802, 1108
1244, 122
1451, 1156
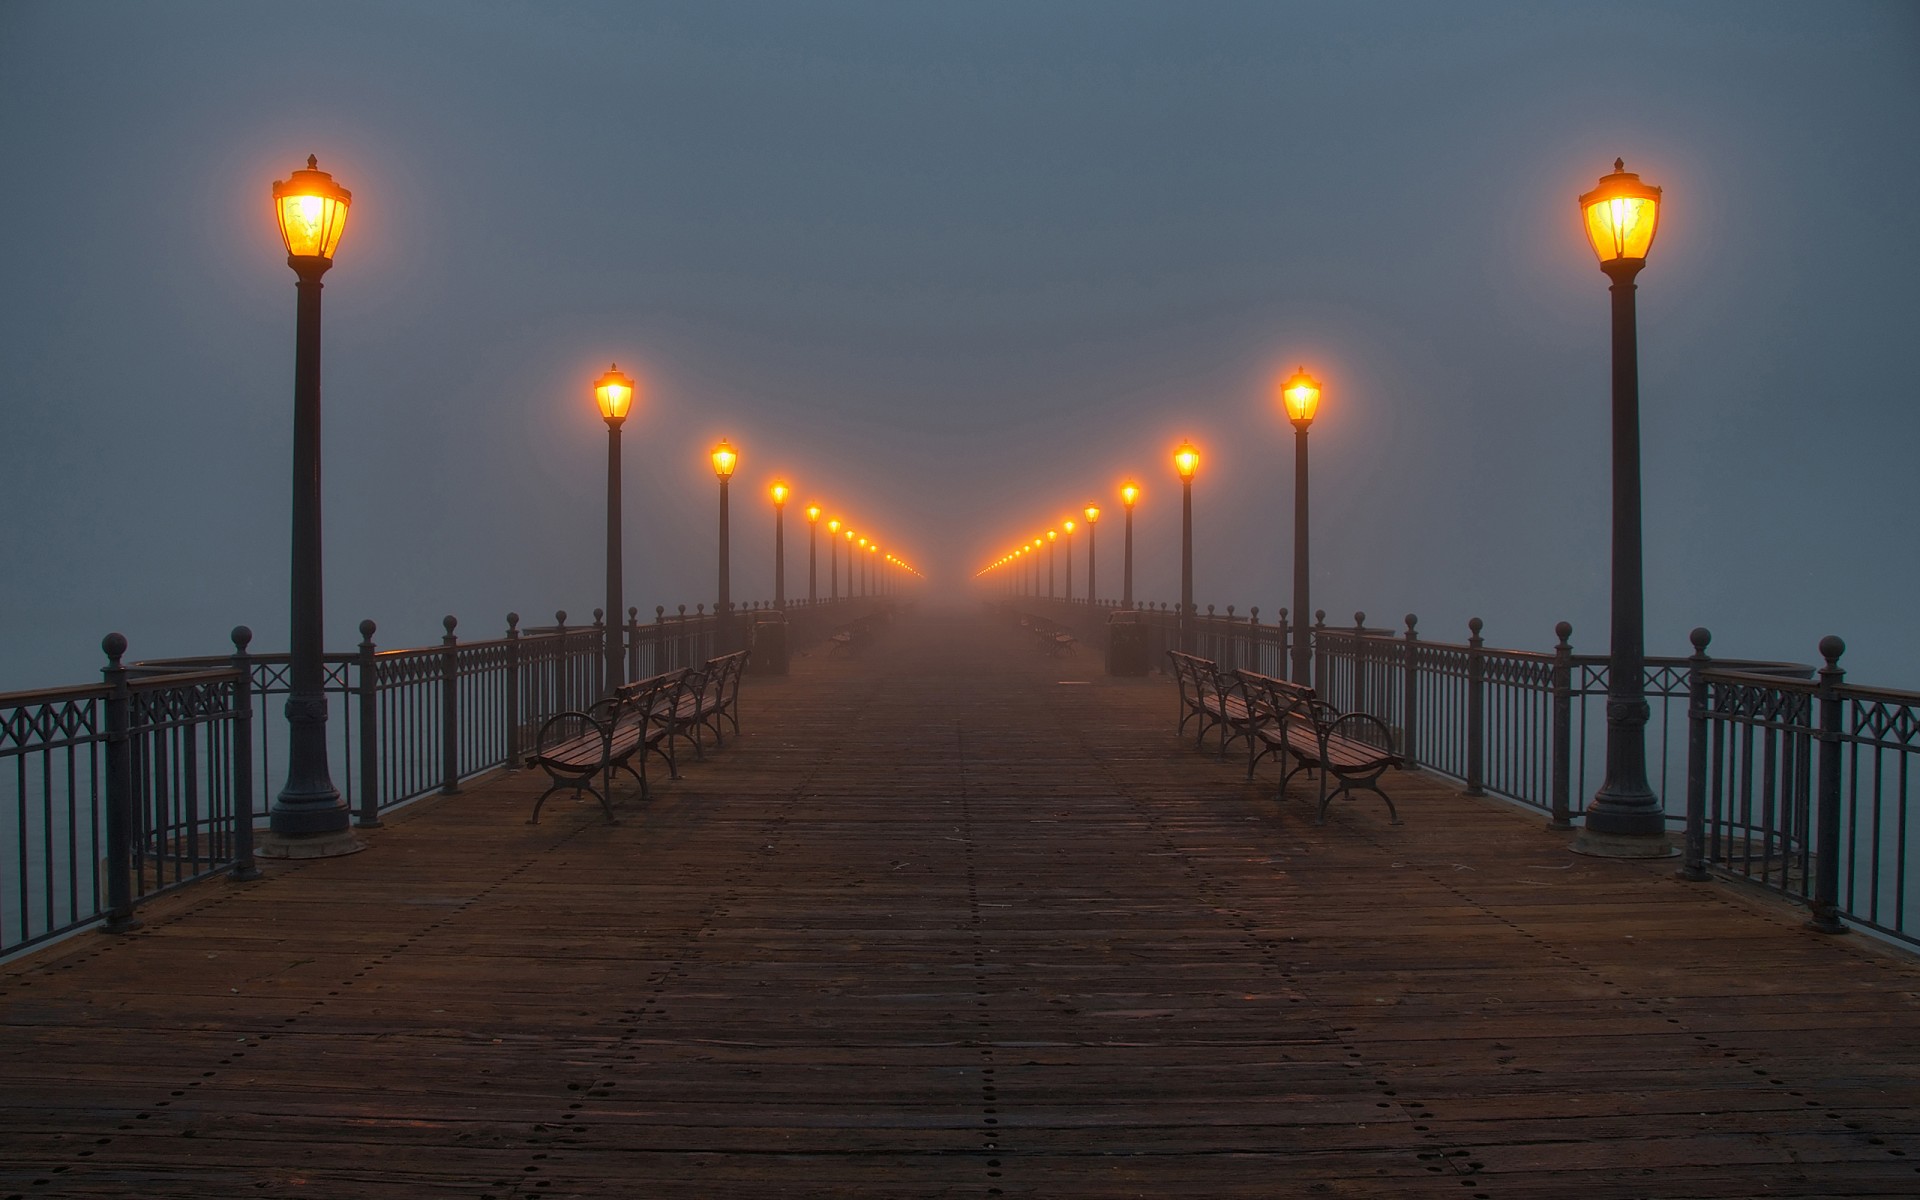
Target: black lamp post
779, 491
1186, 460
724, 461
850, 549
833, 559
1067, 527
312, 212
1052, 536
1301, 395
1625, 819
1129, 492
1093, 578
813, 553
614, 393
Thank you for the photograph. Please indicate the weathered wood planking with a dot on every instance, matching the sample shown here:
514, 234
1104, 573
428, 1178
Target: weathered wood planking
941, 924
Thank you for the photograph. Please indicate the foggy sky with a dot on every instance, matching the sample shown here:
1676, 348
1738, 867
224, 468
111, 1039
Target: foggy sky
954, 270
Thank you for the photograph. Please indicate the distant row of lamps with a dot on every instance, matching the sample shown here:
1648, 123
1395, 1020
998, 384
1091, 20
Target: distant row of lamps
613, 392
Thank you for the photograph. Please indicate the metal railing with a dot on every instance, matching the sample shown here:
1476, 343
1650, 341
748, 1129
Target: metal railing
1797, 784
117, 791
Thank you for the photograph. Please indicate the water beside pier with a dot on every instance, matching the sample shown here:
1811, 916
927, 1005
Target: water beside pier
956, 918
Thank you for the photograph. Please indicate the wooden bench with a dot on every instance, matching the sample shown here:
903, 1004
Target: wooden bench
853, 635
1211, 700
1051, 636
575, 748
1288, 722
709, 700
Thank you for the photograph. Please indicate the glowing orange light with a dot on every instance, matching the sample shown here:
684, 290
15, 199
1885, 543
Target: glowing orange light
614, 392
1068, 526
1621, 215
1129, 492
312, 210
1093, 513
779, 491
724, 460
1186, 460
849, 535
1301, 395
813, 514
833, 526
1052, 534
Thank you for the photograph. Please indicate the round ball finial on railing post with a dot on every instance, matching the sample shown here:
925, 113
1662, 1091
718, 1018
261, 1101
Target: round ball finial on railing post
242, 637
115, 646
450, 622
513, 622
1563, 631
560, 618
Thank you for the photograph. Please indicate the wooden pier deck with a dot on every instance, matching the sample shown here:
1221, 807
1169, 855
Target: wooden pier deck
953, 919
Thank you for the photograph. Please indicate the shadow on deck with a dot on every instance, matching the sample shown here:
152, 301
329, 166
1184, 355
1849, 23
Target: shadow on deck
956, 919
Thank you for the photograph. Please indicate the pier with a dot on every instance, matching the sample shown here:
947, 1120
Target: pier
955, 918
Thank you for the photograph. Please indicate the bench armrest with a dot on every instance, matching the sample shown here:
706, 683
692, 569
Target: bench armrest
1362, 728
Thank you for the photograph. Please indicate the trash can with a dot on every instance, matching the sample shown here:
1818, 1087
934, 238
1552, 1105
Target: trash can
1126, 643
769, 644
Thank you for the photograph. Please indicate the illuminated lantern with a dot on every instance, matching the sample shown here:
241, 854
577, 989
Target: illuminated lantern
724, 460
312, 211
1621, 215
1301, 395
1186, 460
614, 392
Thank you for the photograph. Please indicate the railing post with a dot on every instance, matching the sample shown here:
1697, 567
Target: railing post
1319, 649
1826, 850
562, 667
1286, 647
120, 816
1359, 703
602, 630
1476, 711
450, 711
1693, 863
633, 645
369, 690
1561, 816
244, 867
1410, 697
513, 691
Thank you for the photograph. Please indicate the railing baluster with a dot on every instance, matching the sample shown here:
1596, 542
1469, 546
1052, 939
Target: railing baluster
119, 798
368, 696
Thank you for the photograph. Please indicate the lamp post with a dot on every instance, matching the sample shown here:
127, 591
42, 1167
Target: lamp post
1067, 527
1624, 819
1129, 492
312, 212
813, 556
779, 492
614, 394
863, 569
849, 564
833, 559
1301, 396
1093, 579
1053, 535
1186, 460
725, 459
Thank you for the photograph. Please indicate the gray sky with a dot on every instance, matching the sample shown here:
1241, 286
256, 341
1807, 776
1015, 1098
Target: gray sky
955, 269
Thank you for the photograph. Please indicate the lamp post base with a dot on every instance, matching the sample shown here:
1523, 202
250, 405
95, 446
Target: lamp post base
1623, 845
310, 845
